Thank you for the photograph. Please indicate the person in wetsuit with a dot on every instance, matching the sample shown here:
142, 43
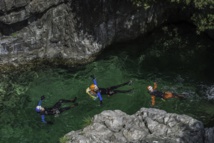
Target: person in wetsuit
96, 92
163, 95
55, 110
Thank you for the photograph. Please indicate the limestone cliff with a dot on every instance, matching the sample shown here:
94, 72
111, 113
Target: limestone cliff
74, 30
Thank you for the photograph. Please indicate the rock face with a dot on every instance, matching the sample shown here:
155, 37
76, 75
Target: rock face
74, 30
145, 126
209, 135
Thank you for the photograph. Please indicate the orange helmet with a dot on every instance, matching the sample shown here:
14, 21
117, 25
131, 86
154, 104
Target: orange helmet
93, 87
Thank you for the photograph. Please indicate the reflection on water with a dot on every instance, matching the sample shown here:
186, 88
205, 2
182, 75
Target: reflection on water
177, 61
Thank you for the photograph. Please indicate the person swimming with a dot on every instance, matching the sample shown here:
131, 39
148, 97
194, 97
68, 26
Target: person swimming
163, 95
96, 92
54, 110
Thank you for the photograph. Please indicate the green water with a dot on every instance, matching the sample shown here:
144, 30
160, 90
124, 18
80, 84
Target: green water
175, 57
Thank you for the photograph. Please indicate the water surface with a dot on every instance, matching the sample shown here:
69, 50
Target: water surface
174, 57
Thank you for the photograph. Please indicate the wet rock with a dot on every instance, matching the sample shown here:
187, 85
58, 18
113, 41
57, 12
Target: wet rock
75, 30
209, 135
145, 126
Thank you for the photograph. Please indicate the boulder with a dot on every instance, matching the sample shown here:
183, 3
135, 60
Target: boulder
148, 125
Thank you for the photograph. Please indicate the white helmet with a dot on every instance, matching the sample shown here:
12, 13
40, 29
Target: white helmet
38, 108
150, 88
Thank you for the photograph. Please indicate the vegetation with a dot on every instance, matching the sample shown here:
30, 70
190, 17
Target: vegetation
203, 16
87, 121
63, 139
14, 35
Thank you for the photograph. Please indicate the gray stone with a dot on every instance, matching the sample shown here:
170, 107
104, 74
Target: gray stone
209, 135
73, 30
145, 126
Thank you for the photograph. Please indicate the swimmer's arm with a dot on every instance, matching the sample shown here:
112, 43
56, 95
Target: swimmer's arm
95, 82
98, 93
43, 119
100, 96
155, 85
40, 103
153, 100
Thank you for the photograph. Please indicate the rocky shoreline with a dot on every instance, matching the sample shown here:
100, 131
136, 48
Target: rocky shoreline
148, 125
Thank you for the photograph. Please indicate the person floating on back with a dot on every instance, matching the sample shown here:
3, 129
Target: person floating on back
96, 92
55, 110
163, 95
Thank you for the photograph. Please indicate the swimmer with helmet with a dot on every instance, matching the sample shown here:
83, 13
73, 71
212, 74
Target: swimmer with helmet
163, 95
96, 92
55, 110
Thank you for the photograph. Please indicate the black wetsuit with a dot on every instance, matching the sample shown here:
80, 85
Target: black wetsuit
56, 109
161, 94
112, 90
157, 93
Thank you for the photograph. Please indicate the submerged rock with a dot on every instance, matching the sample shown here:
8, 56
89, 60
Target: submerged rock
148, 125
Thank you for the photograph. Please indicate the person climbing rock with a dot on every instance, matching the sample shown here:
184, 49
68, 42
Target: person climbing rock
96, 92
55, 110
163, 95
